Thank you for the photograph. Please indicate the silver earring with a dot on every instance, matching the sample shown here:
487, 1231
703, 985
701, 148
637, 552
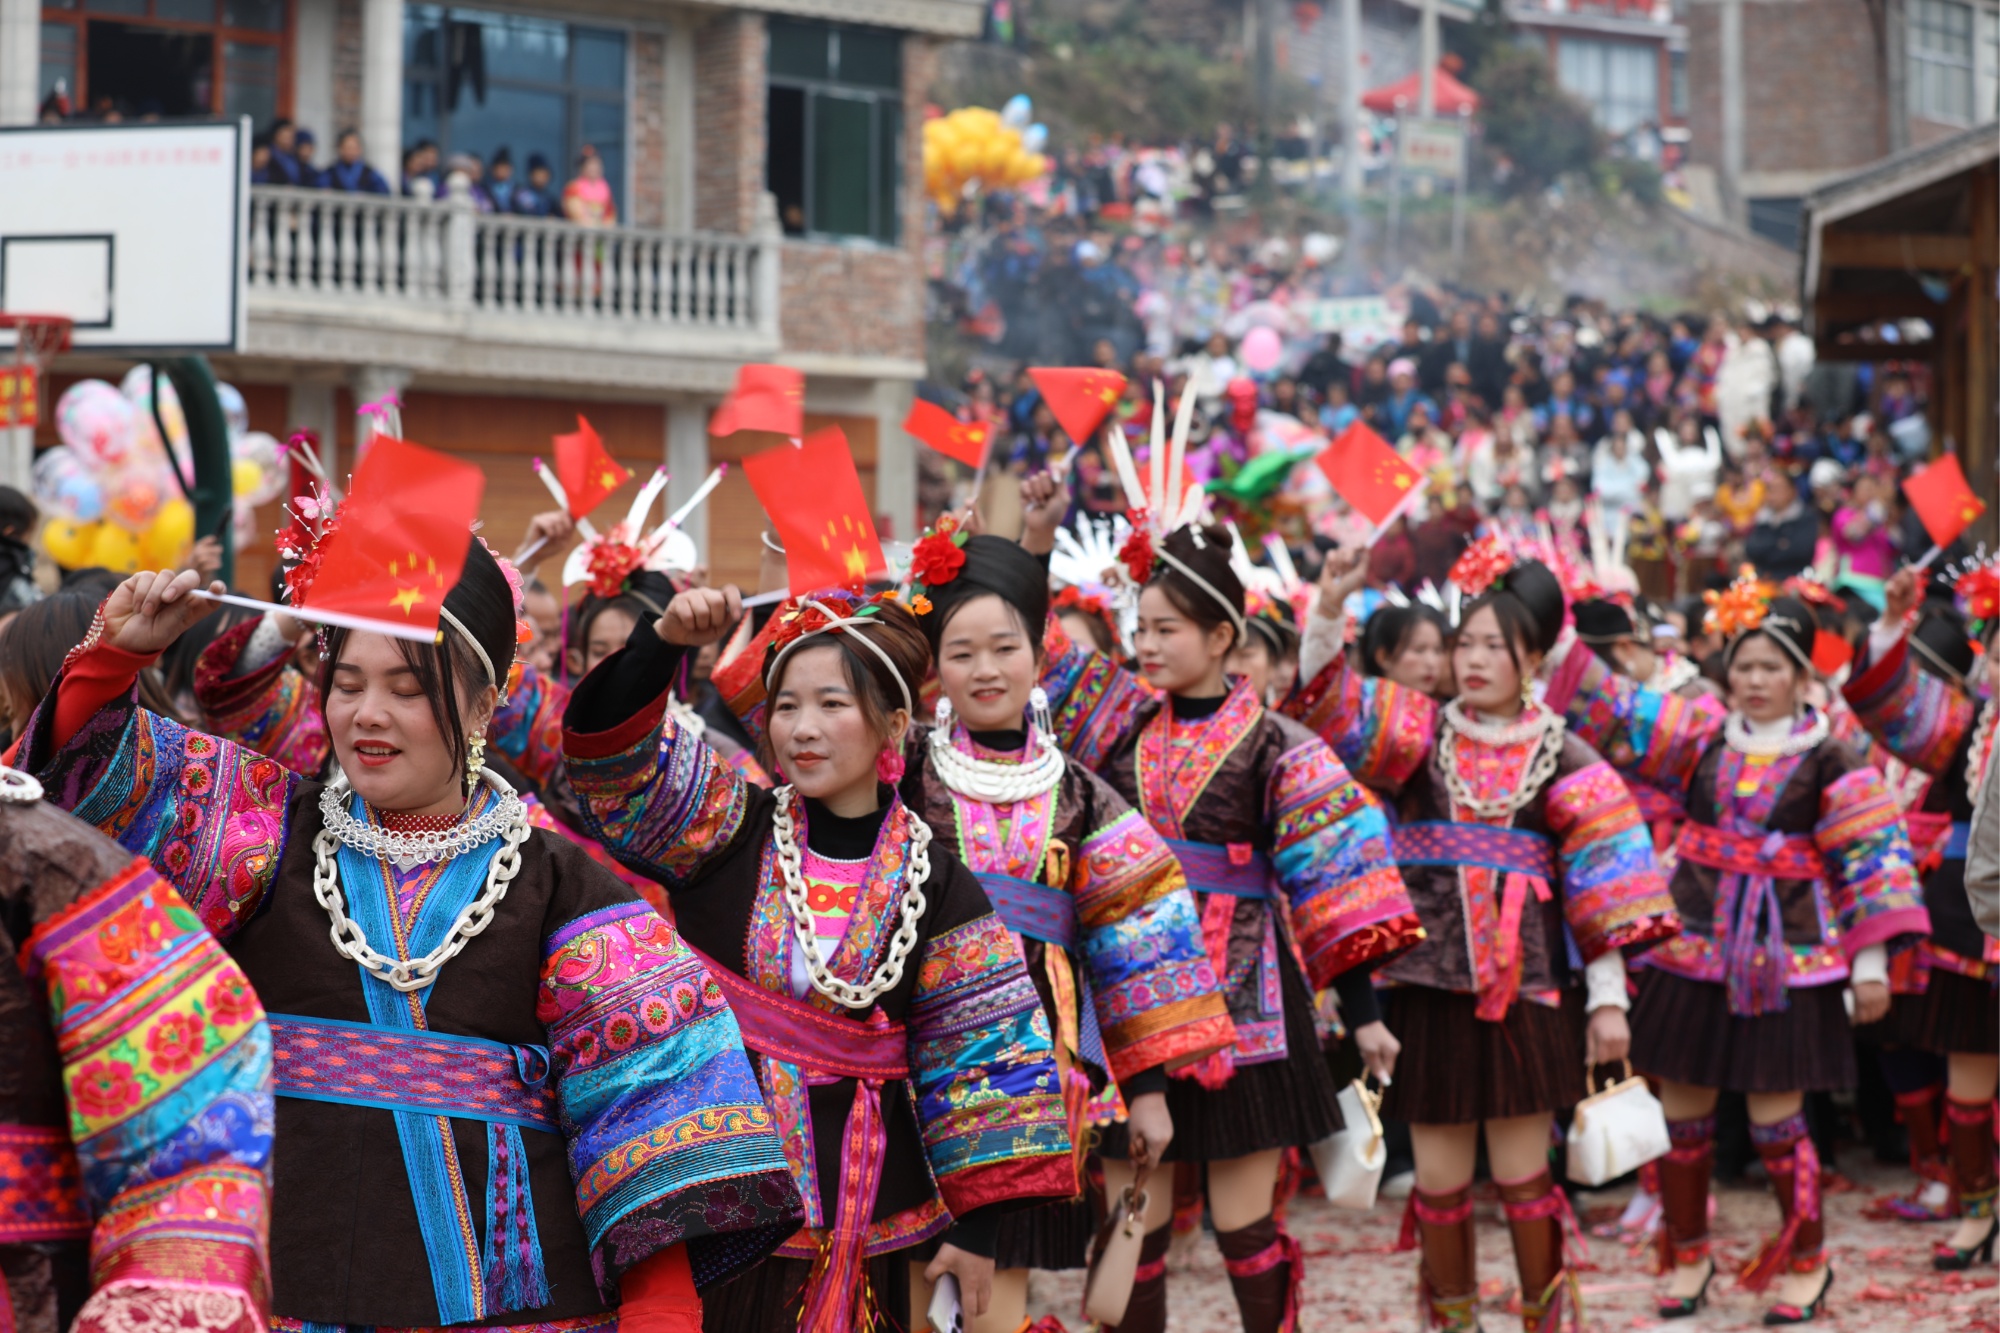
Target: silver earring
1038, 709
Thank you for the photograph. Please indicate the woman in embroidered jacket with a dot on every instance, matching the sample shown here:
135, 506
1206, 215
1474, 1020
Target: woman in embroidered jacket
1104, 917
649, 1167
1913, 692
900, 1042
1517, 842
137, 1094
1247, 800
1794, 876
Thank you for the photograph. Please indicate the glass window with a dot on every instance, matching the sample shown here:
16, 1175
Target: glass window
185, 11
1940, 47
250, 83
258, 15
134, 8
1677, 91
58, 60
477, 81
834, 129
1619, 80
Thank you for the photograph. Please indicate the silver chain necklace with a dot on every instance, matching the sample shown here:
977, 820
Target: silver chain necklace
350, 942
910, 910
408, 850
17, 787
1737, 734
990, 780
1541, 767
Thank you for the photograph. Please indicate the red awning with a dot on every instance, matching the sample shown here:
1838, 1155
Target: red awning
1451, 96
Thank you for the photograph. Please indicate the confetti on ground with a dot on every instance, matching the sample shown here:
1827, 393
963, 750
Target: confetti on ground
1356, 1282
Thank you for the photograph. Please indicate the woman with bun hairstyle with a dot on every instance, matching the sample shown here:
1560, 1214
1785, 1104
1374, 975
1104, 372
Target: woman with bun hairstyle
1794, 880
1248, 801
599, 1152
900, 1042
1915, 693
1098, 903
1515, 838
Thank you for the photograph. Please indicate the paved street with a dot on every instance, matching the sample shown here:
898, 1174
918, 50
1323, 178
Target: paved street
1356, 1281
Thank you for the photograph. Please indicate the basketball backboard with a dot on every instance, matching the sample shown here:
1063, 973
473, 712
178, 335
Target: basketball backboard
136, 232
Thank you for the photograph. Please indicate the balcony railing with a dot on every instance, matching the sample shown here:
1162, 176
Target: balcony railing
327, 251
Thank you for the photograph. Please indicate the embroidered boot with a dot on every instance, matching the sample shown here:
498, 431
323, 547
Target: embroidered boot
1932, 1200
1971, 1127
1792, 1163
1539, 1216
1265, 1272
1683, 1239
1447, 1277
1146, 1312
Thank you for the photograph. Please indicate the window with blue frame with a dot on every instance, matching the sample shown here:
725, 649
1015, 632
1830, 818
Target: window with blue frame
834, 129
477, 81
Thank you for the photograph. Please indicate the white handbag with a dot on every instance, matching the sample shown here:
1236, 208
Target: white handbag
1350, 1162
1616, 1130
1113, 1258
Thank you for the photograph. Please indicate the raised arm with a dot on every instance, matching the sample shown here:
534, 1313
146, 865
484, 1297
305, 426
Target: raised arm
253, 693
209, 813
1093, 701
1655, 737
657, 797
1330, 849
1916, 716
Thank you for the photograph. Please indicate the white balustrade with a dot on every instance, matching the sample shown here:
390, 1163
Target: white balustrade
316, 250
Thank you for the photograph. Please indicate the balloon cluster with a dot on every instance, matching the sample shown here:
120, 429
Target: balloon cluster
109, 488
977, 147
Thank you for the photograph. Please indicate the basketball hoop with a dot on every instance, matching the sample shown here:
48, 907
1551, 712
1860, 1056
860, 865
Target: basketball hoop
37, 341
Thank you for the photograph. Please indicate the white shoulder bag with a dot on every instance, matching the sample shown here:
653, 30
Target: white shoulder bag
1350, 1161
1616, 1130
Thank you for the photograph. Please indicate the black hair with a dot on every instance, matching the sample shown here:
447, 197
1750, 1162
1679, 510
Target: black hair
1280, 640
1388, 632
1600, 625
1210, 560
17, 514
896, 633
484, 604
1528, 602
995, 567
34, 643
1789, 623
1942, 643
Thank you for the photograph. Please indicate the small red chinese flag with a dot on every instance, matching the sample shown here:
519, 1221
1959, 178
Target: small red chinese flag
1080, 398
586, 472
964, 440
403, 534
1830, 652
1369, 475
813, 496
1943, 500
769, 398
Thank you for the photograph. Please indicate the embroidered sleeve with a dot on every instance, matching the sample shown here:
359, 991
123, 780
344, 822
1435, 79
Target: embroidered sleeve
739, 682
1330, 848
1156, 994
267, 706
1092, 700
208, 813
1614, 896
528, 727
1381, 731
983, 1073
669, 1138
166, 1068
1871, 875
1654, 737
1920, 719
657, 797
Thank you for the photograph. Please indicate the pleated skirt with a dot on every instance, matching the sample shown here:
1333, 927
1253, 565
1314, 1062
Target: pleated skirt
1054, 1236
1288, 1103
1956, 1015
1683, 1031
1456, 1068
771, 1297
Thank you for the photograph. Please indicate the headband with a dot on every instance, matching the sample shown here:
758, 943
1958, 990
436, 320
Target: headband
1784, 641
485, 661
834, 622
1229, 607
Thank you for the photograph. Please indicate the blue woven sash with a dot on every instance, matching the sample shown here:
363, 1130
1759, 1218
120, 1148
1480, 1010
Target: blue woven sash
1049, 915
1960, 841
1434, 843
1213, 868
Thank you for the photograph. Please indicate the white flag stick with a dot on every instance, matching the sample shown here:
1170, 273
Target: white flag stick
771, 598
414, 633
642, 503
583, 525
702, 492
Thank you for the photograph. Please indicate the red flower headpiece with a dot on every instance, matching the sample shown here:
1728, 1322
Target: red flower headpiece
1481, 566
1076, 599
1978, 586
795, 620
611, 563
936, 559
1812, 592
1739, 608
1137, 552
315, 517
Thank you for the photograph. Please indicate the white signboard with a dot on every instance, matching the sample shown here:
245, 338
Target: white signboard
1433, 147
136, 232
1341, 313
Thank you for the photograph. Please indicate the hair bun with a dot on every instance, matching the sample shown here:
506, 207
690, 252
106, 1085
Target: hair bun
1533, 584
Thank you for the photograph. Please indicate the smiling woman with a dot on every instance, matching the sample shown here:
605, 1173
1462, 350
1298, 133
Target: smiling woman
610, 1170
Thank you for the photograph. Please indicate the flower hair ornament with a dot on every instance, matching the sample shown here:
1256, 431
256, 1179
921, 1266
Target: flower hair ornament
1483, 565
608, 560
1739, 608
822, 613
935, 560
1977, 585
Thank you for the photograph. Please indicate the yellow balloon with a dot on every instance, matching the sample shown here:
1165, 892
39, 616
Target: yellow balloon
67, 543
167, 540
244, 477
115, 549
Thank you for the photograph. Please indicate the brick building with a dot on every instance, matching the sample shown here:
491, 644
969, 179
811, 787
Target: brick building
764, 162
1828, 86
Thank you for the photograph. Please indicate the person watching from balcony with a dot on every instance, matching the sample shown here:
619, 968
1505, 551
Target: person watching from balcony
500, 180
535, 196
350, 172
468, 166
285, 167
303, 146
260, 161
587, 200
420, 163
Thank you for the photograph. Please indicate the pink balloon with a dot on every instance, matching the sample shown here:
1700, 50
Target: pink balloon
1262, 350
